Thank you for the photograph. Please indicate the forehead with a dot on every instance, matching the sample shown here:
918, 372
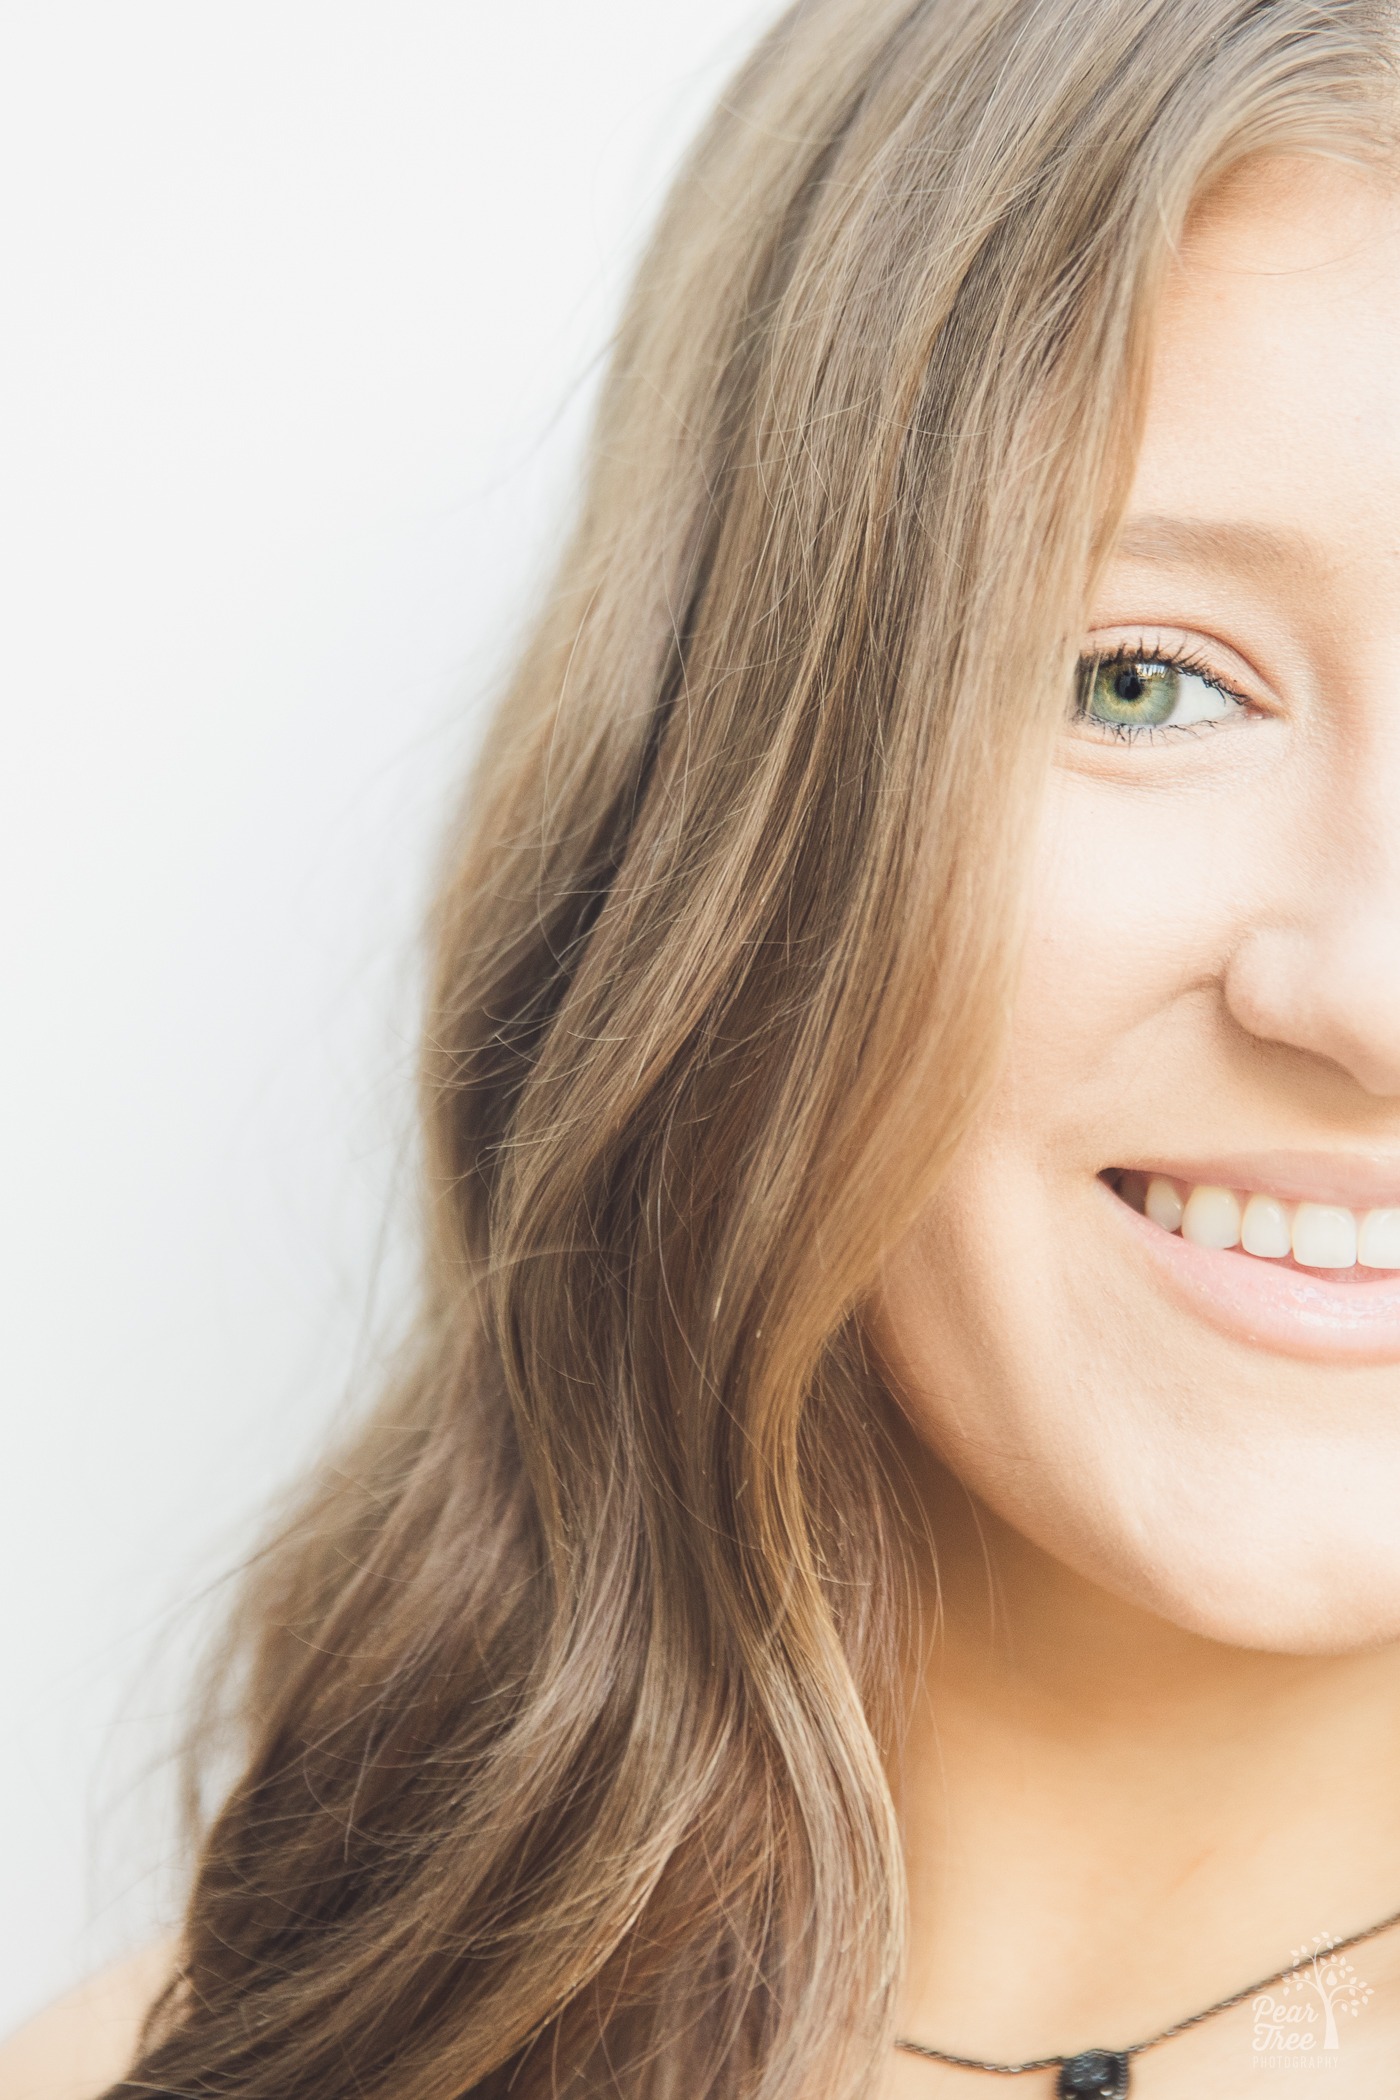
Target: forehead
1275, 393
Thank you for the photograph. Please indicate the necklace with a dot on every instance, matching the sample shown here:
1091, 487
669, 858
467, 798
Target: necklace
1103, 2074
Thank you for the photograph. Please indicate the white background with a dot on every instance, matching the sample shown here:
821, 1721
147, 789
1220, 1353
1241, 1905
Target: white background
302, 303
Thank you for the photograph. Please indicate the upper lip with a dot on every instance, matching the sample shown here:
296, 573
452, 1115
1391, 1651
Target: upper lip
1354, 1180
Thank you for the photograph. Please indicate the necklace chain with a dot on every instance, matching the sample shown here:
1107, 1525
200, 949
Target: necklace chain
1055, 2063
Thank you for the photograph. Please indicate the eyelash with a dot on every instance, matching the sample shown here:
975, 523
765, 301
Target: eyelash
1180, 660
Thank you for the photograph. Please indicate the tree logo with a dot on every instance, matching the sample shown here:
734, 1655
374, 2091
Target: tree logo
1321, 1990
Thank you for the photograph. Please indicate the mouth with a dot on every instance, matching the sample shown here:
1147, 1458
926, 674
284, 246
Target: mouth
1270, 1259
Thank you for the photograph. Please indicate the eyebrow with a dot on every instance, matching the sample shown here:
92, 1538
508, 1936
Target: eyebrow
1222, 543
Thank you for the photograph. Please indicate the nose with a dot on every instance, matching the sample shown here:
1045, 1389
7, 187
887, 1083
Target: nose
1328, 984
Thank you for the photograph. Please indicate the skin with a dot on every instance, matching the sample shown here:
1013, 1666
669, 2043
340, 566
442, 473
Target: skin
1155, 1725
85, 2042
1153, 1730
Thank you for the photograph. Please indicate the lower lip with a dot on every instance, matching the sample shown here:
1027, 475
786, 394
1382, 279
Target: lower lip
1297, 1312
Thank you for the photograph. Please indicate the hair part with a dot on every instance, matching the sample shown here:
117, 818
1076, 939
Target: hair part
565, 1691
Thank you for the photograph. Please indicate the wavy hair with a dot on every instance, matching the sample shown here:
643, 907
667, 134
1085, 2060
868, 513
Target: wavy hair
566, 1690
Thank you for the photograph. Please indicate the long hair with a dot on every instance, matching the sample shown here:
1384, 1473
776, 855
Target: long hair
566, 1688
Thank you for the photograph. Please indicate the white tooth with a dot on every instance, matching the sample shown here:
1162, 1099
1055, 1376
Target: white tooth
1211, 1217
1163, 1204
1379, 1244
1264, 1227
1324, 1237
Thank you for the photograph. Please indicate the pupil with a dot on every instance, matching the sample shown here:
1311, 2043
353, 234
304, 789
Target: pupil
1127, 685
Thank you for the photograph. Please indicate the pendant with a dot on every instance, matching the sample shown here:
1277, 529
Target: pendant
1095, 2074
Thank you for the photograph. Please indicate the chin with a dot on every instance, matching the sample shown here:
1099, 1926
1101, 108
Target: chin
1309, 1575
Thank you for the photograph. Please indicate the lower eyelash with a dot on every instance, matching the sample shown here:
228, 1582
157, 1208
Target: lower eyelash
1133, 732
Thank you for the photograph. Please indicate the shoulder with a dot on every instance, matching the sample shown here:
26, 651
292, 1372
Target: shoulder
84, 2043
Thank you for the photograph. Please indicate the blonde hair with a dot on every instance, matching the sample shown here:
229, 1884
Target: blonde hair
565, 1688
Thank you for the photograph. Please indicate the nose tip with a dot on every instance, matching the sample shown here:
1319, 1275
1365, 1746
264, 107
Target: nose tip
1333, 993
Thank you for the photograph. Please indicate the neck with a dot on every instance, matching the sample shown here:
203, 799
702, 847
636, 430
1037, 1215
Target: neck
1111, 1822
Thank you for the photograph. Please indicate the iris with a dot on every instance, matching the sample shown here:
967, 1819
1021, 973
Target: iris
1125, 693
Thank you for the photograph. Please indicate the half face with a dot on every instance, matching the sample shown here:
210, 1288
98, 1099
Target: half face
1153, 1318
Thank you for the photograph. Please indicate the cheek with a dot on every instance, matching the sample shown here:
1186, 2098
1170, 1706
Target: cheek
1015, 1350
1211, 1481
1213, 1486
1135, 900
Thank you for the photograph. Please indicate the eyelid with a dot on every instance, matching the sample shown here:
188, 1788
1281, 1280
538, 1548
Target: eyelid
1188, 666
1205, 655
1189, 661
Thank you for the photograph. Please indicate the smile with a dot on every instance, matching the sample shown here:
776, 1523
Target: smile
1329, 1236
1276, 1266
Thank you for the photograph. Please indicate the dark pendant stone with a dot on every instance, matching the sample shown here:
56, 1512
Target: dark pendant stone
1095, 2074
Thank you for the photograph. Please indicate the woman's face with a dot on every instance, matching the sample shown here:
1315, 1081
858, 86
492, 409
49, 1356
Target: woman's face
1208, 1022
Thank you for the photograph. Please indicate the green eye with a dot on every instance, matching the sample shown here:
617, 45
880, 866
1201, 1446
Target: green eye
1149, 692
